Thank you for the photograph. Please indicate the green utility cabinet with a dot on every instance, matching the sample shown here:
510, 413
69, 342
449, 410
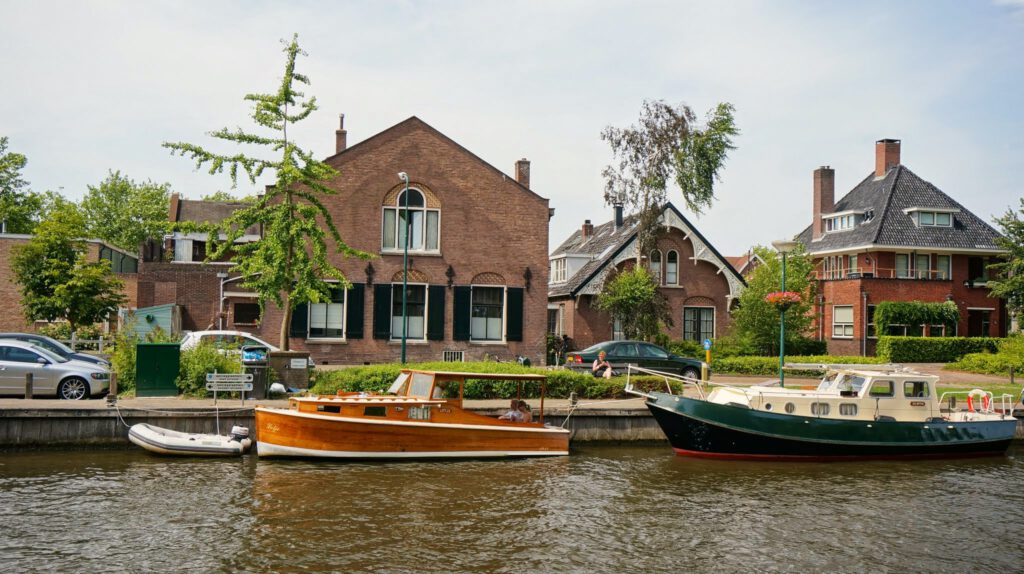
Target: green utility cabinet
156, 369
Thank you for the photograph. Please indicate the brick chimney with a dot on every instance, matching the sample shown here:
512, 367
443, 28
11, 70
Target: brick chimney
824, 198
887, 155
588, 229
340, 135
172, 211
523, 172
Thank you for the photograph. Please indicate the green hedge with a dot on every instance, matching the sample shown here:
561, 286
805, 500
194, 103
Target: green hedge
932, 349
766, 366
560, 382
1010, 354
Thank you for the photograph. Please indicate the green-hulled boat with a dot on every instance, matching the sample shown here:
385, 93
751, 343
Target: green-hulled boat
853, 413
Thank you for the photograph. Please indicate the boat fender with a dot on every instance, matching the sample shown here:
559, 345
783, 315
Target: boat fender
970, 399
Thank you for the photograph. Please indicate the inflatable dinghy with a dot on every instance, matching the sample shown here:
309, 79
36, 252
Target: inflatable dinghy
166, 441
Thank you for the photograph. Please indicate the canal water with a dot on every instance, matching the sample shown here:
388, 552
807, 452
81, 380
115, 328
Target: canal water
603, 509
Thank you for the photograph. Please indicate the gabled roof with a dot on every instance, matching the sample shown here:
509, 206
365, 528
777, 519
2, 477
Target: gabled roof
741, 262
886, 198
607, 242
414, 121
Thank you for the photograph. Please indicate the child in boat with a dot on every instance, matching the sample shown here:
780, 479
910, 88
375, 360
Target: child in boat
513, 413
525, 413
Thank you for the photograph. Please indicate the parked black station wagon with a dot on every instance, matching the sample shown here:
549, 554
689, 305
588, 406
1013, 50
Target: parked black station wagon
638, 353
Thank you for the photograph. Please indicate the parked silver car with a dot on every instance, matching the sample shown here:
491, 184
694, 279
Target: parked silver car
51, 373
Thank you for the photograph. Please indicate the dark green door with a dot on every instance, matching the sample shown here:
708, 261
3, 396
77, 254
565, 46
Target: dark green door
156, 369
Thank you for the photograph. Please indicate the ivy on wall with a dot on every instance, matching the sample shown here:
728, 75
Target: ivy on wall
914, 313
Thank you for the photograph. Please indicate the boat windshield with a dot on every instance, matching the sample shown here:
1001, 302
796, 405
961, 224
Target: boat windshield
420, 386
841, 382
398, 387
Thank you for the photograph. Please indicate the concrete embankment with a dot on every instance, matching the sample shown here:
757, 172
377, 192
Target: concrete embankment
50, 423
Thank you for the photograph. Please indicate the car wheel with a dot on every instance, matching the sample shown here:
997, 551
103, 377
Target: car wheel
691, 373
73, 389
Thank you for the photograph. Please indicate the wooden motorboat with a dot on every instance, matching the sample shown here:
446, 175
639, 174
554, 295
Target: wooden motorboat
421, 416
852, 414
166, 441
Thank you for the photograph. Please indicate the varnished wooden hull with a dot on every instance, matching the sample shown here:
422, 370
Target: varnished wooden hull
290, 433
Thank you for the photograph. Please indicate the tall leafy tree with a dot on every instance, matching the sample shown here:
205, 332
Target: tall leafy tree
18, 209
667, 146
632, 296
124, 212
289, 264
57, 280
757, 321
1010, 271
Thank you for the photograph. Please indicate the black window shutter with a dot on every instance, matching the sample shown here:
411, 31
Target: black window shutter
382, 311
300, 321
460, 314
514, 324
354, 312
435, 312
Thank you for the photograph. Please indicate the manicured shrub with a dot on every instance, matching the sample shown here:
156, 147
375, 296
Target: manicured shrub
932, 349
767, 366
1010, 354
560, 382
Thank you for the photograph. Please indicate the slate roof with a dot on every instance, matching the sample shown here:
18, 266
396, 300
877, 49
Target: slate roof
886, 198
210, 212
605, 243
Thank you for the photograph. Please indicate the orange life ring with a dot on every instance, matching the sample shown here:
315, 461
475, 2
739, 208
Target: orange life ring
984, 400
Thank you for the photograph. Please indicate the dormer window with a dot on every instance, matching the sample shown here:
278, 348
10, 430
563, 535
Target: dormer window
558, 267
931, 216
843, 221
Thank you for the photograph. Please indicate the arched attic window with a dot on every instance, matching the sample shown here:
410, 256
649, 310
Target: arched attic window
672, 268
656, 265
422, 221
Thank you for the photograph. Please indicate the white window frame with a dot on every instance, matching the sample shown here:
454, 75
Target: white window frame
656, 265
617, 334
908, 274
397, 209
504, 313
671, 269
945, 272
181, 248
843, 325
395, 336
344, 316
558, 270
700, 333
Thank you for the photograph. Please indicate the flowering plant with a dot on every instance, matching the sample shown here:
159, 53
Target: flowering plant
782, 300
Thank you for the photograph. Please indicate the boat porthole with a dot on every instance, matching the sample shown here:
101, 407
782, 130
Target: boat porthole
790, 407
767, 406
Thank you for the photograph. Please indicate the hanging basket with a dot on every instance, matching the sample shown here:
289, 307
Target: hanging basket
782, 300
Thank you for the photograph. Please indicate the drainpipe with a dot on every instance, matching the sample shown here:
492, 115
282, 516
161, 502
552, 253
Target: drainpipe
864, 324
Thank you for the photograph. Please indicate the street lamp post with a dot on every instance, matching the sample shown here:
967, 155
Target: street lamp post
405, 264
783, 246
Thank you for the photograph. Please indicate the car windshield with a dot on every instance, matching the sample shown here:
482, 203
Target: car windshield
54, 346
49, 354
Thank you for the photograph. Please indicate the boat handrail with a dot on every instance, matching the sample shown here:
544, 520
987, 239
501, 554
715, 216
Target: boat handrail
696, 383
1006, 400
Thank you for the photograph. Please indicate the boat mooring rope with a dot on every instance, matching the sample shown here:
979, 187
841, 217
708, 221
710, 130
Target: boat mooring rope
213, 412
573, 408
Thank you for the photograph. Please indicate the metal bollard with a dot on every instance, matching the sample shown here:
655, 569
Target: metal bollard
28, 385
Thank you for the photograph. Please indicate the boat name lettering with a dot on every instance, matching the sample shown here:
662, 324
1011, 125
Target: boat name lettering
917, 403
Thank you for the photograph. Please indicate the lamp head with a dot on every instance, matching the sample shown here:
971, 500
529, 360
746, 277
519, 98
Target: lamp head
784, 245
403, 176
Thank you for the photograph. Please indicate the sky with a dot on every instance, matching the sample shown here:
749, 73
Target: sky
89, 87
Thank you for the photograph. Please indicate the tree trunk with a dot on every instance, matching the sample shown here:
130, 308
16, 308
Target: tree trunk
286, 322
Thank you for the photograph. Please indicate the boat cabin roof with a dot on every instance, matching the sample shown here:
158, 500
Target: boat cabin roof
418, 383
855, 380
455, 375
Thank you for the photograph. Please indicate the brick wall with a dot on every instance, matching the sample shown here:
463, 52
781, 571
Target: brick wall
11, 315
852, 291
488, 224
194, 287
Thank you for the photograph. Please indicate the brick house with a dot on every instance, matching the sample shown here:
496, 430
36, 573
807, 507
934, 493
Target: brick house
12, 318
745, 264
897, 237
698, 282
477, 259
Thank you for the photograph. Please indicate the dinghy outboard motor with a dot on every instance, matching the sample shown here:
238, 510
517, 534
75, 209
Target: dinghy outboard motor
239, 433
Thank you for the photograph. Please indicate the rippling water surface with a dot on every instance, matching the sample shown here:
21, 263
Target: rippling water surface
603, 509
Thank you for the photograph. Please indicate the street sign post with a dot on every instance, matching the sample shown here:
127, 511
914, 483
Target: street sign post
228, 382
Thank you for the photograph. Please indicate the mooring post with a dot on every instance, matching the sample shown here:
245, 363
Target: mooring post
28, 385
112, 393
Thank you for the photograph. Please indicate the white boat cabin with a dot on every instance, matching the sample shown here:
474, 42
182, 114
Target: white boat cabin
860, 395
